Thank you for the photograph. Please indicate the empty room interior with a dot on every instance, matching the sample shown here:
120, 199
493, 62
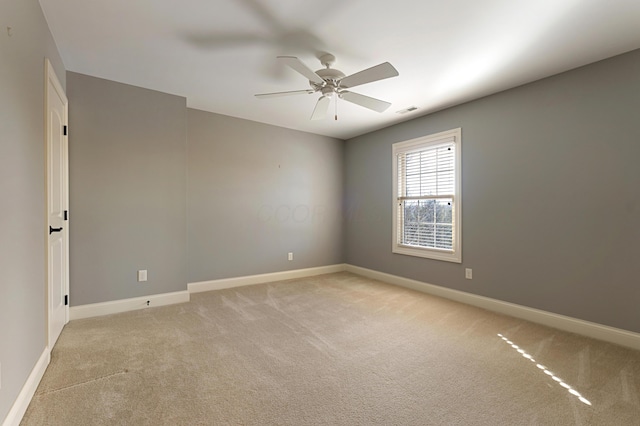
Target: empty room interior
345, 212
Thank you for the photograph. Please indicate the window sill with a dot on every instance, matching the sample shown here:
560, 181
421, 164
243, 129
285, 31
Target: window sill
445, 255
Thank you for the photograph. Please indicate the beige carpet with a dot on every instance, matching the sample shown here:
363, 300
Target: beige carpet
336, 349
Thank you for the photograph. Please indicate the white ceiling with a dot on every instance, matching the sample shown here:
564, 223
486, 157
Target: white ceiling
219, 53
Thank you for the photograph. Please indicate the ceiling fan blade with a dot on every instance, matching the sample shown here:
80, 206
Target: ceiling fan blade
322, 106
278, 94
365, 101
379, 72
300, 66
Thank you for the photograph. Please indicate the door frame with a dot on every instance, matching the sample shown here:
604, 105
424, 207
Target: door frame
50, 77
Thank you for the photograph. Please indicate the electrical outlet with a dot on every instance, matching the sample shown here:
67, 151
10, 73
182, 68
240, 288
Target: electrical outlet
142, 275
468, 273
290, 255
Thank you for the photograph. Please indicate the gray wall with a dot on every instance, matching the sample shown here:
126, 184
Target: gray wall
257, 192
551, 197
127, 184
22, 289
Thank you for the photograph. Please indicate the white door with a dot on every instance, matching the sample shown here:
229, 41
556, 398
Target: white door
57, 206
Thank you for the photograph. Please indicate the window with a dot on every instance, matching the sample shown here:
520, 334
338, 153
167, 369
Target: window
426, 197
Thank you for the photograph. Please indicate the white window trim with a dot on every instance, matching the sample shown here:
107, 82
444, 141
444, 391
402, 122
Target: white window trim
454, 255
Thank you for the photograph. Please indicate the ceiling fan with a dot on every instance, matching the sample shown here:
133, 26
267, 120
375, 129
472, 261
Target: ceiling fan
332, 83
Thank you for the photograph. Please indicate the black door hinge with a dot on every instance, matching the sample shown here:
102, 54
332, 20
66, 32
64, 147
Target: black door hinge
66, 299
66, 215
64, 130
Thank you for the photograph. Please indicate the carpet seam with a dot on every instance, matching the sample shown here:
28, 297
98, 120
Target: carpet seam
44, 393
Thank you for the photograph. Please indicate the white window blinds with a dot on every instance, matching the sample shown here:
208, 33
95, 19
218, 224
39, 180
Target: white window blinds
428, 172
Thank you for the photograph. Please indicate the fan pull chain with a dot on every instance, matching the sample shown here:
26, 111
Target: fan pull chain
336, 116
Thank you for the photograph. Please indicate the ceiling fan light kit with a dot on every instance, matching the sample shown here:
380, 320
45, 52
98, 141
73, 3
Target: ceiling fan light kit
332, 83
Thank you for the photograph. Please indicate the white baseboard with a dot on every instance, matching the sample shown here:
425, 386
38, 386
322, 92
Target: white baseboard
28, 390
220, 284
561, 322
124, 305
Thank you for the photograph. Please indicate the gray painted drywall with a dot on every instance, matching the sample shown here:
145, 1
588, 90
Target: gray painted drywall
550, 195
257, 192
22, 184
127, 180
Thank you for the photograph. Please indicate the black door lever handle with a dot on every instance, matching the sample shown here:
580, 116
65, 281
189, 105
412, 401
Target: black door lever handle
52, 230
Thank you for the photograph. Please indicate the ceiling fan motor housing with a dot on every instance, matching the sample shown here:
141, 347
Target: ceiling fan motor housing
331, 77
